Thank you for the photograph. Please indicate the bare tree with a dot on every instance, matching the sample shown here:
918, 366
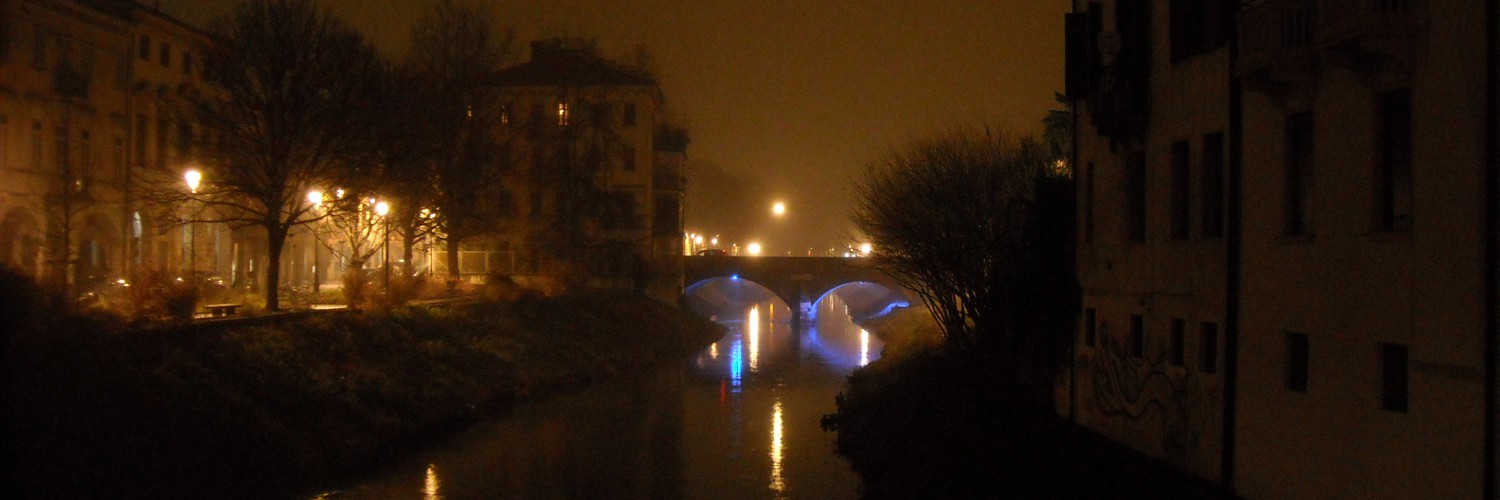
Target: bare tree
456, 52
972, 221
292, 112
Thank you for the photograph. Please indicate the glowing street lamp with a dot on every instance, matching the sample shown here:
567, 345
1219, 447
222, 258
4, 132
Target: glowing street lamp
381, 209
753, 249
193, 178
865, 248
778, 209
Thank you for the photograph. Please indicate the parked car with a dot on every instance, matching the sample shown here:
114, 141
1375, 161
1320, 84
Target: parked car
711, 252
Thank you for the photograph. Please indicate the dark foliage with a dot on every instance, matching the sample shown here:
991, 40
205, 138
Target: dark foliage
259, 408
981, 226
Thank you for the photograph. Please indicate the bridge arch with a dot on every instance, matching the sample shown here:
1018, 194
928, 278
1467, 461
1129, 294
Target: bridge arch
707, 296
877, 300
795, 280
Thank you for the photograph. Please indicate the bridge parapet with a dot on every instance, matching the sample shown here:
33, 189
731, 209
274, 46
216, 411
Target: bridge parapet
793, 279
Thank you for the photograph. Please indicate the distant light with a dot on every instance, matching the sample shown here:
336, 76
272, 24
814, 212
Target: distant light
866, 248
382, 208
714, 241
734, 276
753, 249
315, 197
778, 208
192, 177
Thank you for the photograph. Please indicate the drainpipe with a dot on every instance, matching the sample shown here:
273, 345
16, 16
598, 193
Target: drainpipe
1491, 233
1232, 243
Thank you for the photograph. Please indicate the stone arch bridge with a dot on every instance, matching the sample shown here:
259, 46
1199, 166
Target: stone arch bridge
795, 280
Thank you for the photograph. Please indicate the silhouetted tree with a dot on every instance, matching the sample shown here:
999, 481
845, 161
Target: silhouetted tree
456, 52
980, 226
293, 110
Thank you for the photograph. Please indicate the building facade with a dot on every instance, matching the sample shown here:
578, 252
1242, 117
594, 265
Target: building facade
1283, 240
598, 173
91, 93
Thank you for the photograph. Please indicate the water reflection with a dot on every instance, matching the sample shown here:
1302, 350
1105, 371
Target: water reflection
741, 421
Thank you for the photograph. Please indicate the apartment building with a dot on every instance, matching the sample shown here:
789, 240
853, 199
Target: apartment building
599, 173
90, 93
1287, 242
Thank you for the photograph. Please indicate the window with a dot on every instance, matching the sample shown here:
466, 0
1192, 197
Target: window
187, 63
1393, 175
166, 55
144, 47
162, 133
562, 114
122, 72
629, 115
504, 115
1393, 377
1137, 336
1090, 327
1181, 195
1187, 28
60, 148
627, 161
1208, 347
39, 50
1212, 179
1299, 174
85, 169
1135, 197
538, 114
1088, 202
140, 140
36, 146
1179, 342
118, 163
1296, 362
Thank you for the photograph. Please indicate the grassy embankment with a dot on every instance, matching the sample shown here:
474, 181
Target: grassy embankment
94, 409
917, 423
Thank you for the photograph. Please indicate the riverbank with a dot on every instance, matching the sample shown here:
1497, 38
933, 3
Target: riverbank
94, 409
918, 423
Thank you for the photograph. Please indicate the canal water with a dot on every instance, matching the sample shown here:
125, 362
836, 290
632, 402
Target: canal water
740, 419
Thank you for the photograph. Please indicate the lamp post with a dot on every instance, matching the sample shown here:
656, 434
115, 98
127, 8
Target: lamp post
381, 209
193, 178
315, 198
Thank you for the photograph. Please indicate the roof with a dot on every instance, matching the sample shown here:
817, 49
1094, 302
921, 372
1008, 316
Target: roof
563, 61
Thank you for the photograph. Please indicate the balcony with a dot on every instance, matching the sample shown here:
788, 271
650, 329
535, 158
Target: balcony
1277, 52
1371, 36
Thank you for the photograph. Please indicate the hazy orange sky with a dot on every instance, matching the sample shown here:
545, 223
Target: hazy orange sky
798, 94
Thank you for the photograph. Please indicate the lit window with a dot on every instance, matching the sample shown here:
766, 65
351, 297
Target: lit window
562, 114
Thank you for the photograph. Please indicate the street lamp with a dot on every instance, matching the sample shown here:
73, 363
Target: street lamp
778, 209
753, 249
315, 198
193, 178
381, 209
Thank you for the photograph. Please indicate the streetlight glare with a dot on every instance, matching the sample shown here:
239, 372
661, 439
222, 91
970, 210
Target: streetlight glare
753, 249
866, 248
315, 197
193, 177
778, 208
382, 208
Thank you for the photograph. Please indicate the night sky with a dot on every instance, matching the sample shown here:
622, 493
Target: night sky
792, 97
